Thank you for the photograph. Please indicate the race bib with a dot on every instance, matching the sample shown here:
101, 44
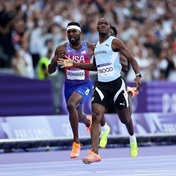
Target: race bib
76, 74
106, 70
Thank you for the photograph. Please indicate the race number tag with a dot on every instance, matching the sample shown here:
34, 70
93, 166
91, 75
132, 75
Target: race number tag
76, 74
105, 70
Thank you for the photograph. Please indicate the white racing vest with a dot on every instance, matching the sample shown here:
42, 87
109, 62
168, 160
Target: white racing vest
107, 61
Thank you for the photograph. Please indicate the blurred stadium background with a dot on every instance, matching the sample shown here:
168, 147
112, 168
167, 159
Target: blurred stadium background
32, 109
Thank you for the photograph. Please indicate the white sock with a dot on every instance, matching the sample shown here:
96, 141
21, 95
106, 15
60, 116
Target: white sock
105, 127
133, 138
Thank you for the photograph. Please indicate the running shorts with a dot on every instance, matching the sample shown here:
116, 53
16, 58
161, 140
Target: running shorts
83, 88
116, 90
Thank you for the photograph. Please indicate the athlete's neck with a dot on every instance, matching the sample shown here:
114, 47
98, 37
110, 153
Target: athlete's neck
103, 38
76, 46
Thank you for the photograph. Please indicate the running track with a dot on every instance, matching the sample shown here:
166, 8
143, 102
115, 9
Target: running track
152, 161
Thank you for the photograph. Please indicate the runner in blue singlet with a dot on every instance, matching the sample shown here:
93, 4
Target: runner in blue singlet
78, 87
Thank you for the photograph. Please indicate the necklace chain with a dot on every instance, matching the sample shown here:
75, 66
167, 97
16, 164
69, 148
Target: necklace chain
76, 47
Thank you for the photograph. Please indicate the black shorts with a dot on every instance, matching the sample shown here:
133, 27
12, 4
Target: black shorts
116, 90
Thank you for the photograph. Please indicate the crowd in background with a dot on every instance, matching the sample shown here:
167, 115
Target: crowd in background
30, 30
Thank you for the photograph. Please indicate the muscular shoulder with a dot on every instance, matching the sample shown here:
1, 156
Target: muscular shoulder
117, 45
90, 46
61, 48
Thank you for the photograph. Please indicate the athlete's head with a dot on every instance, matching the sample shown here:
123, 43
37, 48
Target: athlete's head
103, 26
73, 32
113, 31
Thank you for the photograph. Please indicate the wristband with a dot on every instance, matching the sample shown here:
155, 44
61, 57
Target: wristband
138, 74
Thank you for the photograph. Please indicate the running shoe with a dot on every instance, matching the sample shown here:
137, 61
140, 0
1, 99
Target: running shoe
104, 137
88, 129
75, 150
132, 90
133, 149
92, 158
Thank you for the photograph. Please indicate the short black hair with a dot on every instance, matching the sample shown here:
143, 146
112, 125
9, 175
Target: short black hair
73, 23
114, 30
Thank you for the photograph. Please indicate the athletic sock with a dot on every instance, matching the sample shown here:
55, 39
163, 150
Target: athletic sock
105, 127
133, 138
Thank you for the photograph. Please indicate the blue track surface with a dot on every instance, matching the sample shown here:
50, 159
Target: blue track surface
152, 161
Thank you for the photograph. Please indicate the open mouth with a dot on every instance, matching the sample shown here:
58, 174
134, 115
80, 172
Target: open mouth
72, 39
103, 29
